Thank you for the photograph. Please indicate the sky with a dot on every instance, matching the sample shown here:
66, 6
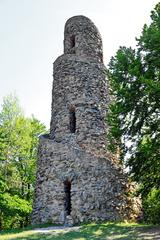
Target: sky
31, 38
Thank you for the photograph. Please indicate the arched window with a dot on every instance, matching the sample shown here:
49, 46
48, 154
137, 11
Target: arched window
67, 200
72, 119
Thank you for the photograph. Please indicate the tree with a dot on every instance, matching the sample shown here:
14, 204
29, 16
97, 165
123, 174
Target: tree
18, 145
134, 118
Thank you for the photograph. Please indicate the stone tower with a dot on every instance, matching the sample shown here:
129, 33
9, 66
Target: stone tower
76, 177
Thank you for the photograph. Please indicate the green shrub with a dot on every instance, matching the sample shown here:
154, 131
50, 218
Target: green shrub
13, 211
151, 205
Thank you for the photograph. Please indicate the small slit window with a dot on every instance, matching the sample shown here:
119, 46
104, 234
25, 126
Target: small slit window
72, 41
72, 44
101, 57
72, 119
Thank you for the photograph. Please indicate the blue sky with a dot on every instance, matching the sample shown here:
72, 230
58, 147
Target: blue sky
31, 38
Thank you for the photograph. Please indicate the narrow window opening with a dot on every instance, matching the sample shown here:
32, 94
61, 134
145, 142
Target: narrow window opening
67, 200
72, 44
101, 57
72, 119
72, 40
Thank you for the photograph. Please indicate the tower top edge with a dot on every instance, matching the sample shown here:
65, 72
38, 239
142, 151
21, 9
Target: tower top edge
81, 23
82, 38
78, 17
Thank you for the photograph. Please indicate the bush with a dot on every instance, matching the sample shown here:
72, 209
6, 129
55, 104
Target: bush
151, 206
13, 211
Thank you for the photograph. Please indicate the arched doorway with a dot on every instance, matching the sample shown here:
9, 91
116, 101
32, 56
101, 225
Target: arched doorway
67, 199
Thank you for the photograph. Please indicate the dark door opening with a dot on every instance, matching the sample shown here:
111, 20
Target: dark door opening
72, 119
67, 200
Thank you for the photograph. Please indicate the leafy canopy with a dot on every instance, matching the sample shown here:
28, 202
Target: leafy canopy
134, 117
18, 153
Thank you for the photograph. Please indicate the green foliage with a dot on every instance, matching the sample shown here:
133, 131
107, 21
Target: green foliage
10, 110
12, 205
13, 210
151, 206
134, 117
18, 152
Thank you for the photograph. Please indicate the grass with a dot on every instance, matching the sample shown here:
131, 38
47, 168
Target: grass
93, 231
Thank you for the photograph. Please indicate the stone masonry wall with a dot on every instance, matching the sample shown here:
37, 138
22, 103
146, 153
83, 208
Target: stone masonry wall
77, 154
97, 184
81, 84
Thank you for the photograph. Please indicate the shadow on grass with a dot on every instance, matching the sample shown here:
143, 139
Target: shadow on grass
104, 231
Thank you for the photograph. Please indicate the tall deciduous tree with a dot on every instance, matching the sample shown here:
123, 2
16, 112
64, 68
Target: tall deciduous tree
18, 152
134, 117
